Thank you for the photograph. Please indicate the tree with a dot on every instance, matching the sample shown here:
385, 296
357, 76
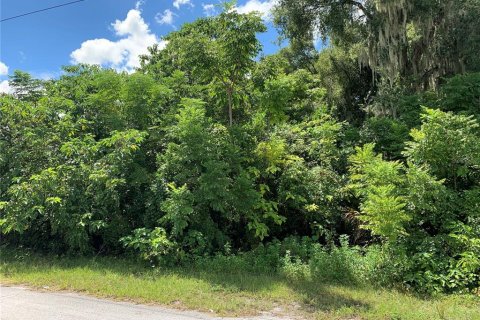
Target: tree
449, 145
427, 209
378, 183
218, 50
417, 42
25, 87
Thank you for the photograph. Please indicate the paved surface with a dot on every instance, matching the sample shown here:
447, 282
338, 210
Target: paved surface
17, 303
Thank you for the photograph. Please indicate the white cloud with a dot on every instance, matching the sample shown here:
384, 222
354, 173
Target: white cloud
178, 3
263, 7
209, 9
139, 4
5, 87
99, 51
122, 54
3, 69
165, 18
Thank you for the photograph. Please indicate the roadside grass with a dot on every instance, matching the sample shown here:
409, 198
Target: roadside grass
223, 293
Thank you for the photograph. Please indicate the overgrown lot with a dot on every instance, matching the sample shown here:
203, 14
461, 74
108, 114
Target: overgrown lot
247, 182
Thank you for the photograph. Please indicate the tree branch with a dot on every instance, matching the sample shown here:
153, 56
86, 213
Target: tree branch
361, 7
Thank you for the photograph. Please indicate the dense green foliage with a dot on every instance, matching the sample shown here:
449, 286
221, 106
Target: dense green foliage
405, 41
208, 151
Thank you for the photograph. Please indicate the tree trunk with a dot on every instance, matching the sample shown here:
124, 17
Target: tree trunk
230, 106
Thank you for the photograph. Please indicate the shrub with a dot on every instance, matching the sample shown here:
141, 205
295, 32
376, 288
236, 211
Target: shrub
150, 244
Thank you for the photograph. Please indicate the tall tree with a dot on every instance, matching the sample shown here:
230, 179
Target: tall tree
25, 87
407, 39
218, 50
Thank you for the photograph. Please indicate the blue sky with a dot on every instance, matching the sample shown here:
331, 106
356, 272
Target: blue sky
107, 32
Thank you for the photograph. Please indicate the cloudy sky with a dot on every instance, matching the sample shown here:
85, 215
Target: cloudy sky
108, 32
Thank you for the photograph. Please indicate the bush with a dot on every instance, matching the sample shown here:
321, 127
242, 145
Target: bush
302, 259
294, 258
150, 244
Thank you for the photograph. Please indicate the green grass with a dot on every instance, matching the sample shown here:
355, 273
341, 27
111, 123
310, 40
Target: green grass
223, 293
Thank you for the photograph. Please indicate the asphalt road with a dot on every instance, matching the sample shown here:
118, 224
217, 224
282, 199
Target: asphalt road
17, 303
